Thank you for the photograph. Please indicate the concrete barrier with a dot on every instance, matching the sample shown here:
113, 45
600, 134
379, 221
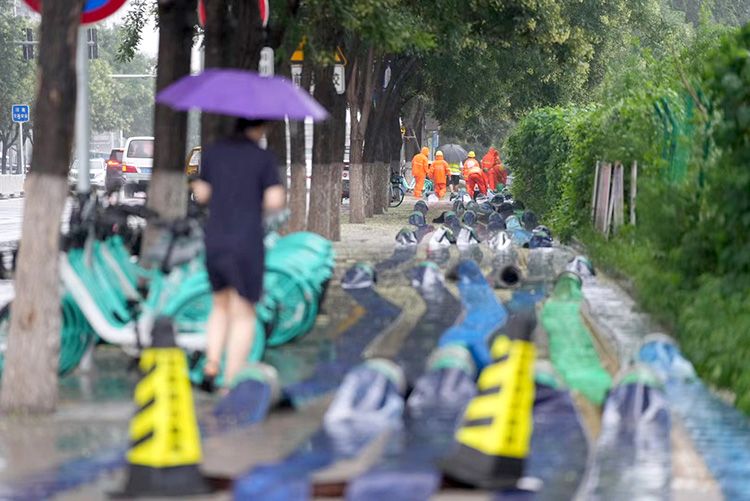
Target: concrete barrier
11, 185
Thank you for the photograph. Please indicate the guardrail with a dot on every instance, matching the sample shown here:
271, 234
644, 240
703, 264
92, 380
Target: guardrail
11, 185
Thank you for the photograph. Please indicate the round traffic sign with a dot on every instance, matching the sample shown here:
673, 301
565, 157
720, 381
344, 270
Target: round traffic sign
93, 11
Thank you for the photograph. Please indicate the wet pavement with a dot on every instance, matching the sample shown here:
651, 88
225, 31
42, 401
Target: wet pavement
90, 429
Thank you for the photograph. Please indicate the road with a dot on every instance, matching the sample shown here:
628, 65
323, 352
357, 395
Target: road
11, 216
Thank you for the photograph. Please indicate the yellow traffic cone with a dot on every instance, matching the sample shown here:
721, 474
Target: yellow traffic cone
493, 441
165, 446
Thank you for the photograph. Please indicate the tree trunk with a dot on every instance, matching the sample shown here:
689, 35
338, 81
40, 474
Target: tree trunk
359, 94
338, 119
381, 184
248, 30
29, 382
218, 54
277, 144
167, 193
369, 186
321, 220
4, 162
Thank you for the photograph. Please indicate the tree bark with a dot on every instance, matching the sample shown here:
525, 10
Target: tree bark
320, 219
338, 118
167, 193
369, 187
381, 183
29, 382
248, 30
359, 95
218, 54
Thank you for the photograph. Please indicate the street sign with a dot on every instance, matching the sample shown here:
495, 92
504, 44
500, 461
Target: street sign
20, 113
339, 78
265, 66
93, 10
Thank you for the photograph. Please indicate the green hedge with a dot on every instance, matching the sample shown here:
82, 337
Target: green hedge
688, 259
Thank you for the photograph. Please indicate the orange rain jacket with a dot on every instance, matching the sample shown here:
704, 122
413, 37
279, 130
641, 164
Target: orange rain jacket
420, 164
440, 170
471, 166
491, 160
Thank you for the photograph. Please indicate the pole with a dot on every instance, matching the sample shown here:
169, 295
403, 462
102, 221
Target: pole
21, 155
82, 112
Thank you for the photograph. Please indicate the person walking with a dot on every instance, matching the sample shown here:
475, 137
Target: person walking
240, 183
440, 173
474, 175
420, 167
489, 168
455, 179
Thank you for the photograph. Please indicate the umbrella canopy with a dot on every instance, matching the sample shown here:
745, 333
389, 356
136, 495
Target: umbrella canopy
241, 94
453, 153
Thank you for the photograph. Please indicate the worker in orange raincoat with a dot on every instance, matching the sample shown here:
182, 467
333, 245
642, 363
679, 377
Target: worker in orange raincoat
420, 168
491, 167
440, 173
474, 175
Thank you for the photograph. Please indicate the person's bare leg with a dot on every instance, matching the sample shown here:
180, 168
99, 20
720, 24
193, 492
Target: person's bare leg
241, 335
216, 331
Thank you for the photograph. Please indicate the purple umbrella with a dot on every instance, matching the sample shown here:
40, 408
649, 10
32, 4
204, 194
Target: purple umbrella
242, 94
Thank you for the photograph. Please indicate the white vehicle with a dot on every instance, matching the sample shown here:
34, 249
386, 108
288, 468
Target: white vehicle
137, 164
97, 173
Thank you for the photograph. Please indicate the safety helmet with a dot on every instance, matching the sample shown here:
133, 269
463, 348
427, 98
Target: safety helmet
438, 153
472, 154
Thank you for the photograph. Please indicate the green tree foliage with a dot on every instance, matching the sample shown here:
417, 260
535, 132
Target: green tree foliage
16, 79
121, 103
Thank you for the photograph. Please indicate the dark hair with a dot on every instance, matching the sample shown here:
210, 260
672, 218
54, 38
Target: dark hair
245, 123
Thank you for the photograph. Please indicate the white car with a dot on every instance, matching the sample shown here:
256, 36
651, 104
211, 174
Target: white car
137, 164
97, 173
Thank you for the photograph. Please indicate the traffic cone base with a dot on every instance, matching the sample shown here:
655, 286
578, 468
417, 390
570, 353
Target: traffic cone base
473, 468
174, 481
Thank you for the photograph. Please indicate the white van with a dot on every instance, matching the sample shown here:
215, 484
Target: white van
137, 164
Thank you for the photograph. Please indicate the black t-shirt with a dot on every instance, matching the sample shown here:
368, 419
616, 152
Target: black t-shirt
239, 172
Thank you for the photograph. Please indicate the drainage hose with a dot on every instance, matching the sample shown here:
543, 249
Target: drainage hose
632, 458
571, 346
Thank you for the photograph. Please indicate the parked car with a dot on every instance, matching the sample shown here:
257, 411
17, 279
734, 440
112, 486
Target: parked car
137, 164
193, 162
113, 180
97, 173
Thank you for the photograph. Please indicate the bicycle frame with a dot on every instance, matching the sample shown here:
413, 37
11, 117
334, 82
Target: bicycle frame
135, 333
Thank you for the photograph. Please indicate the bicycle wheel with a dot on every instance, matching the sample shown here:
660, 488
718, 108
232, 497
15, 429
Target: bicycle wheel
396, 196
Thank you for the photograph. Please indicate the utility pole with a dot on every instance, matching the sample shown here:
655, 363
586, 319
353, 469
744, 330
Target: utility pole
82, 112
87, 49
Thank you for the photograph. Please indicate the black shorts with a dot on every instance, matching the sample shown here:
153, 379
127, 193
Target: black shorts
227, 270
455, 180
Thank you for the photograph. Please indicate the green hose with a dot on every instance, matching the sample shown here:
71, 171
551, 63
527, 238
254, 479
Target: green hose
571, 347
